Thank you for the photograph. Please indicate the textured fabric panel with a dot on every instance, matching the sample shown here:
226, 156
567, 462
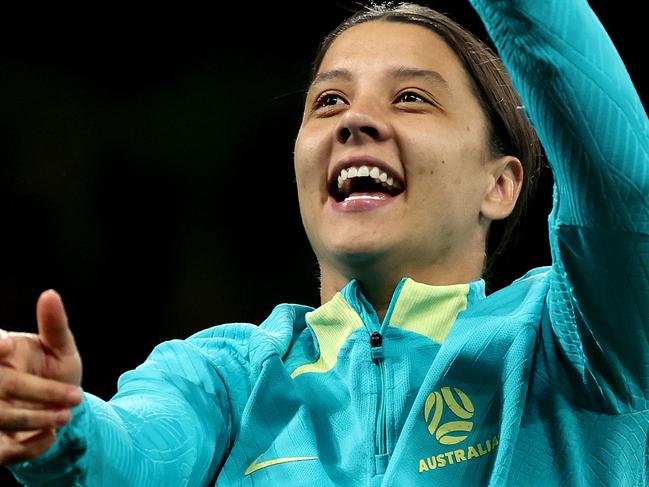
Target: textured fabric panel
596, 134
169, 424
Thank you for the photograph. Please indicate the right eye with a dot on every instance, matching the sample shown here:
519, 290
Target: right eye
328, 100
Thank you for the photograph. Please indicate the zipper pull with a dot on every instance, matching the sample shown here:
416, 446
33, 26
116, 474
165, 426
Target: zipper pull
376, 342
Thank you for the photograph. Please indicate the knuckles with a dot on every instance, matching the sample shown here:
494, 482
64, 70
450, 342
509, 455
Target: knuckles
13, 421
7, 381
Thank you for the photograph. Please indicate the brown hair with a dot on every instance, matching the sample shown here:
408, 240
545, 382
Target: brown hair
510, 131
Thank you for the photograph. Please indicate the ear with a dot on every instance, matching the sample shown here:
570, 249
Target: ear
504, 187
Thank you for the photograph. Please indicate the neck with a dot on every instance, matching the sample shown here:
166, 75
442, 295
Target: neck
379, 280
377, 289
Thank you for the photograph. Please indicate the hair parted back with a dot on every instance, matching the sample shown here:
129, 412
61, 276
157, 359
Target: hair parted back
510, 131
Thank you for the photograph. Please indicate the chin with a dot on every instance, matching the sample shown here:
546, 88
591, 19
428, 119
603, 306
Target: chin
355, 255
353, 242
355, 246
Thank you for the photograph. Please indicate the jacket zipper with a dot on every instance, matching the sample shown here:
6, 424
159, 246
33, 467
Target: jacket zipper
381, 435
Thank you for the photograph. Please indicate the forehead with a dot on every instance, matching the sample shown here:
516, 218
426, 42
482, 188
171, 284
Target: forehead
379, 45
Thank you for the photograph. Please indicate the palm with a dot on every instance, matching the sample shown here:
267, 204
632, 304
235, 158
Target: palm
31, 354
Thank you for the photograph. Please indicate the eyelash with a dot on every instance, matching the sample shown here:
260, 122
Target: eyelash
321, 100
422, 99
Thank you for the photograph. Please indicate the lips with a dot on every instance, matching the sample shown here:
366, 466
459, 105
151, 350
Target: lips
359, 202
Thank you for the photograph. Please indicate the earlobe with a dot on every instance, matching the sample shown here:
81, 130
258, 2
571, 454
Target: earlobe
505, 186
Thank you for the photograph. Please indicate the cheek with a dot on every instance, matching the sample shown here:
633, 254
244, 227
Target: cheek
447, 176
310, 170
309, 158
430, 169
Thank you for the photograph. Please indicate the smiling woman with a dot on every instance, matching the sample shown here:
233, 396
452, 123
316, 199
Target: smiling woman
413, 144
509, 130
415, 107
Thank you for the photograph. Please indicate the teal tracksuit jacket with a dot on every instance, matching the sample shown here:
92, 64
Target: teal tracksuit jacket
544, 382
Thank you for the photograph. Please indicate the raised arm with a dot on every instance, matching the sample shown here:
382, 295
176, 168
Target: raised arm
595, 131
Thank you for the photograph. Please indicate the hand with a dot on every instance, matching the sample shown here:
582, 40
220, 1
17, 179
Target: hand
40, 377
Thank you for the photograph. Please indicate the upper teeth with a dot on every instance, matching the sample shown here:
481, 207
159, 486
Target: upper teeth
364, 171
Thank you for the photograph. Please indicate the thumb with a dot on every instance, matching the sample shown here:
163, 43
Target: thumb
53, 324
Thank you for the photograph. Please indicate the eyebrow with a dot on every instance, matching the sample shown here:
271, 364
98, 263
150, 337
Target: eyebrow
401, 73
405, 72
342, 74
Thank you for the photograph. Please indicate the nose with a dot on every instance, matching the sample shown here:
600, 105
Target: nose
360, 125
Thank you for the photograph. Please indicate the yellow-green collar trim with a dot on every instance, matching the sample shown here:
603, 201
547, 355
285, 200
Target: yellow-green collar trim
332, 323
419, 308
429, 310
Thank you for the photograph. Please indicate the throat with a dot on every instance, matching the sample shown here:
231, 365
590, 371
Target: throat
377, 288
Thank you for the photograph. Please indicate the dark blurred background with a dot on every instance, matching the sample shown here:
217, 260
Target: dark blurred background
146, 168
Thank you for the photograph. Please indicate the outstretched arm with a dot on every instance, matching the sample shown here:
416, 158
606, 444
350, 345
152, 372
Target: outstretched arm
169, 423
595, 131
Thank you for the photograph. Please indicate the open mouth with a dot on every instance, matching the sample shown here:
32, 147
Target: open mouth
365, 180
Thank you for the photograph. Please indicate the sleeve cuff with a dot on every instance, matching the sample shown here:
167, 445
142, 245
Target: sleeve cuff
62, 463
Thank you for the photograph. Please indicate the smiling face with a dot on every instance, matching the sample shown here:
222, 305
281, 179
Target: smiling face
392, 159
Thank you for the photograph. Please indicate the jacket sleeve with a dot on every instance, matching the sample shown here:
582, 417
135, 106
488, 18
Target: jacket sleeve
168, 425
594, 129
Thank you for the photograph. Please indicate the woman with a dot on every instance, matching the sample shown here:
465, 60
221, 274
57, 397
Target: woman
413, 146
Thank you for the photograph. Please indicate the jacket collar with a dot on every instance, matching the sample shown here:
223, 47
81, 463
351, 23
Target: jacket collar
417, 307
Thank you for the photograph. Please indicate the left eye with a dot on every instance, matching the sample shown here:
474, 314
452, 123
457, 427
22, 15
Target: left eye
328, 100
410, 97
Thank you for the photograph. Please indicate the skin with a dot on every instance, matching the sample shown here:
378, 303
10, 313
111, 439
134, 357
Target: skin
40, 375
431, 132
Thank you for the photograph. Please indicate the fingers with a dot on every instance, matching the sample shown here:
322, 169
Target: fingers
28, 387
53, 324
14, 451
31, 408
21, 419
